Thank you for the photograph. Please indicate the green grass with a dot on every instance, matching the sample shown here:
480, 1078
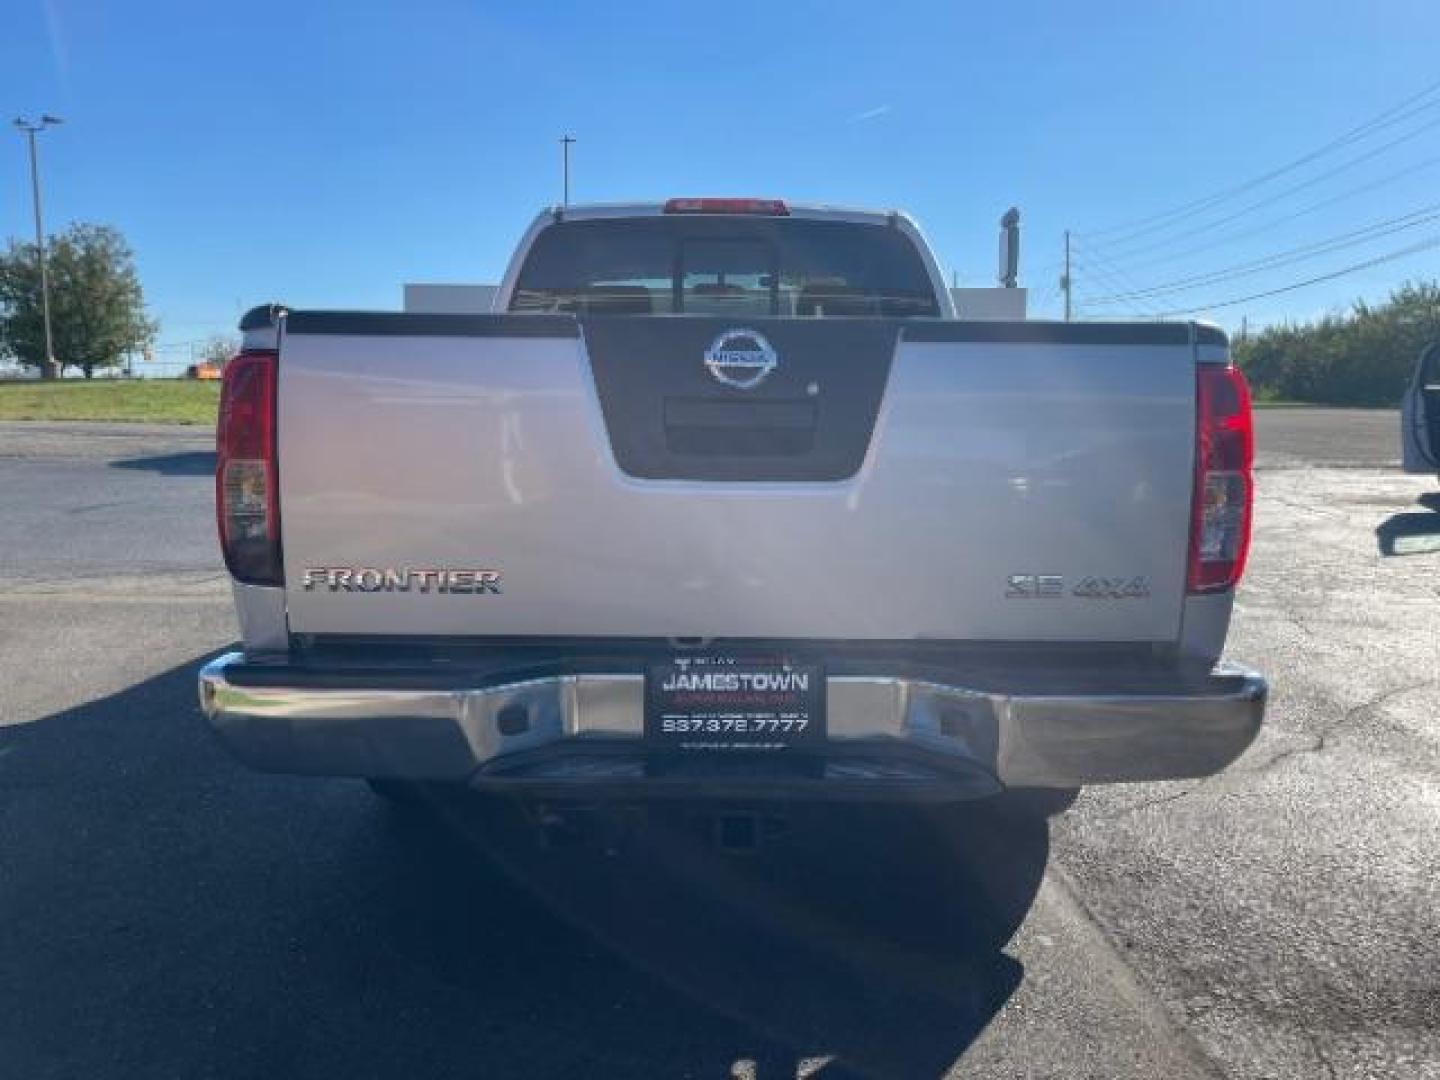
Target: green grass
155, 401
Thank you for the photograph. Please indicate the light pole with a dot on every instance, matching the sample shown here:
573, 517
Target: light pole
565, 144
49, 369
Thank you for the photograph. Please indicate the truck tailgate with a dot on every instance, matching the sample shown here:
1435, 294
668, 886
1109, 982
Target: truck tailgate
886, 481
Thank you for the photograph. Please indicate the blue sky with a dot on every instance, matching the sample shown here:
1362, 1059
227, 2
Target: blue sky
322, 154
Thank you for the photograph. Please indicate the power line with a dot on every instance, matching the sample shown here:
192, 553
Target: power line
1367, 234
1245, 234
1116, 273
1045, 298
1111, 278
1270, 199
1138, 309
1386, 118
1423, 245
1130, 237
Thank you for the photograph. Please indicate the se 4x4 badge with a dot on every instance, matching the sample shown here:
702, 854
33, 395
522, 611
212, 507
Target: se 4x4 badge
1052, 587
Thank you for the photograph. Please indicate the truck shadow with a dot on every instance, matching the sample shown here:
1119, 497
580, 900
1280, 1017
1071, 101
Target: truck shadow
203, 919
871, 935
186, 463
1411, 533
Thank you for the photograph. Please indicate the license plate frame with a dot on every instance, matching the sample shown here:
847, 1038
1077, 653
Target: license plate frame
723, 703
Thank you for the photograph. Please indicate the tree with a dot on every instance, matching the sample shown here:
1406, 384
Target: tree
97, 308
1361, 357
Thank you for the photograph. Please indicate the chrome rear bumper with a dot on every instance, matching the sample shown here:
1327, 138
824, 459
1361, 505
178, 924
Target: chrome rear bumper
575, 731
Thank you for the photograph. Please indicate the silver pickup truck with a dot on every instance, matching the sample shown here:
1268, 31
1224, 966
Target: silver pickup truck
724, 500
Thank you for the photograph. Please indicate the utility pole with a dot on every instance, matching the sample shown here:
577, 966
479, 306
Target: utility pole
1065, 277
49, 369
565, 143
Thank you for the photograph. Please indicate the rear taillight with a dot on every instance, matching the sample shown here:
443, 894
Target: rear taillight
771, 207
247, 496
1224, 486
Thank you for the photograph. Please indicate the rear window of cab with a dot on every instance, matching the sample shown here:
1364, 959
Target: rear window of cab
726, 266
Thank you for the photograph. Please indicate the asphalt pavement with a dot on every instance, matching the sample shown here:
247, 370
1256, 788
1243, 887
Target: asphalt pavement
164, 912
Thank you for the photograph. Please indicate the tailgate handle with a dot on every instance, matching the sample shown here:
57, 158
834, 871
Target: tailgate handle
745, 429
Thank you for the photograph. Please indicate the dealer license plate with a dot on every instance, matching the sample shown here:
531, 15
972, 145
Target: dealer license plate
734, 703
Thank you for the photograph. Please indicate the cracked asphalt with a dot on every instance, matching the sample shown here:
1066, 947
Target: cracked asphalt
163, 912
1287, 911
